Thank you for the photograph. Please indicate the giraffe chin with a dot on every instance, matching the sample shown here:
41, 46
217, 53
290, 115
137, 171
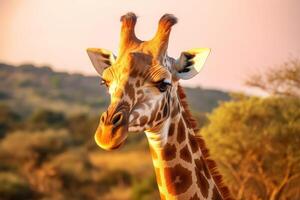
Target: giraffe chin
110, 139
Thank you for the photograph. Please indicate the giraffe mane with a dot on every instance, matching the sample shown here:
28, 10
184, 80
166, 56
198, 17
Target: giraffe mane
192, 123
211, 164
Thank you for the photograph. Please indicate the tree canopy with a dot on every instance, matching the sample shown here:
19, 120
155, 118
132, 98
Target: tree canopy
259, 140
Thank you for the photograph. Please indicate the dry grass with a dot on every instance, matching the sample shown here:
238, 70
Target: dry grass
115, 192
135, 162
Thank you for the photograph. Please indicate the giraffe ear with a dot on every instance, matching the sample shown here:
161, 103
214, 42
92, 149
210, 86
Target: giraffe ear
190, 62
101, 59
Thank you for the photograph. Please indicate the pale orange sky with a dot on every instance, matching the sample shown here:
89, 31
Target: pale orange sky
245, 36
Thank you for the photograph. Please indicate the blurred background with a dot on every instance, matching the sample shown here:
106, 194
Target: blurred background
246, 99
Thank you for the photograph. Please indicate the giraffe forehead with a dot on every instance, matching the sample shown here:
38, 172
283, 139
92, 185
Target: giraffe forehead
143, 73
141, 61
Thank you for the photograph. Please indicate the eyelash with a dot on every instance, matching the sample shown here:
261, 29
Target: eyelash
162, 86
104, 82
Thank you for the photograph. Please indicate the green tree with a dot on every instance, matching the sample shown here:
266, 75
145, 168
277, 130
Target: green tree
26, 155
256, 143
43, 119
8, 120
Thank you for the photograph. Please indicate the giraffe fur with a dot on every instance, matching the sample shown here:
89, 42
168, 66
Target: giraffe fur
143, 83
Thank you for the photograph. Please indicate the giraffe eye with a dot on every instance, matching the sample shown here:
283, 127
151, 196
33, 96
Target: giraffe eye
104, 82
162, 85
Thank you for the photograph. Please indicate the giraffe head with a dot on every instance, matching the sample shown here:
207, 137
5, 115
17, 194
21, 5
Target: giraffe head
142, 81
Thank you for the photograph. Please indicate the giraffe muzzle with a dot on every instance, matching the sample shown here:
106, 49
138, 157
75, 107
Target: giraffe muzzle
112, 130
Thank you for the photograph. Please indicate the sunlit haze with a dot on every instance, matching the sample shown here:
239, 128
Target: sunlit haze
245, 36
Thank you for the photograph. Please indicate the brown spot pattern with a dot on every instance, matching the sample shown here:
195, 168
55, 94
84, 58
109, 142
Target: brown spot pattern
143, 120
195, 197
178, 179
135, 115
158, 117
134, 73
130, 91
185, 154
138, 83
216, 195
153, 114
171, 129
199, 164
181, 132
168, 97
174, 112
169, 152
165, 111
193, 143
185, 117
126, 104
205, 169
140, 94
202, 183
162, 103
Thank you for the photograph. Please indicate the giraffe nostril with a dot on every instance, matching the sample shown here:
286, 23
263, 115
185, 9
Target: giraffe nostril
117, 119
102, 119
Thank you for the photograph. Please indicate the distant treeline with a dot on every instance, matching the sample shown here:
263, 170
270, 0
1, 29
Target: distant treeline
27, 88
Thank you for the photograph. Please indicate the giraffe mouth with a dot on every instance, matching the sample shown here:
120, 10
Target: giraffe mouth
117, 146
110, 137
134, 128
112, 130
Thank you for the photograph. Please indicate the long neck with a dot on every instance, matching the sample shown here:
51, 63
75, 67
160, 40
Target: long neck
180, 166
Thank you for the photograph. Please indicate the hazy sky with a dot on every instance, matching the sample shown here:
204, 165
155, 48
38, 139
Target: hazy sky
245, 35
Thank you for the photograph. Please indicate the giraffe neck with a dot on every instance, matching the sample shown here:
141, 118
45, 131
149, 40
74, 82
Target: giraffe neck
181, 169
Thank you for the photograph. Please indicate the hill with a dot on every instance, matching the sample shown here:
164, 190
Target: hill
27, 88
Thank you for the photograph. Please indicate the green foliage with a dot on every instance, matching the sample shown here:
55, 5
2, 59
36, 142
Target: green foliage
27, 83
8, 120
50, 162
73, 170
22, 146
82, 124
259, 139
56, 81
47, 118
82, 127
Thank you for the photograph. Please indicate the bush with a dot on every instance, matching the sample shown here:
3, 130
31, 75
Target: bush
115, 177
259, 141
145, 189
13, 187
73, 167
8, 120
43, 119
36, 146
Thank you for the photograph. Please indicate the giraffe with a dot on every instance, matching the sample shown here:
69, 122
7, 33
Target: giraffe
143, 83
